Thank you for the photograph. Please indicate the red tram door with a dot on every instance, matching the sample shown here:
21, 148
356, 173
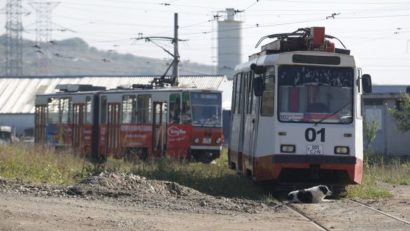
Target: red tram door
40, 124
78, 128
159, 128
113, 129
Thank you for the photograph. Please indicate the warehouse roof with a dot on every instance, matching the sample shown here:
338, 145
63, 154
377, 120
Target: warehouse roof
17, 94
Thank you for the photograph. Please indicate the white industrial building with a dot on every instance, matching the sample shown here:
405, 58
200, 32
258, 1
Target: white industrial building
229, 42
17, 94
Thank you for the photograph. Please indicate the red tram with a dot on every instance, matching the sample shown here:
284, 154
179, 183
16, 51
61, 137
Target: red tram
135, 122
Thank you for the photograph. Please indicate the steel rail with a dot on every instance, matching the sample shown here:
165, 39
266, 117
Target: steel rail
302, 214
379, 211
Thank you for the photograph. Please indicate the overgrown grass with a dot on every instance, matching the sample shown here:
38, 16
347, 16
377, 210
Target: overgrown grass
378, 168
37, 164
368, 189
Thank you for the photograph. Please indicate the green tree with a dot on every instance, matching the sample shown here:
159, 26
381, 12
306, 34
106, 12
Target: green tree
402, 115
370, 131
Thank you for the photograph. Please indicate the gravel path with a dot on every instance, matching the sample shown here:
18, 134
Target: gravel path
128, 202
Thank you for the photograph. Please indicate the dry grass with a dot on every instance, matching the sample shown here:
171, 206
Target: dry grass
38, 164
380, 169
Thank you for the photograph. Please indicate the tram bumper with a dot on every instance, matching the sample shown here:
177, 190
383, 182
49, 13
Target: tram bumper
205, 154
312, 168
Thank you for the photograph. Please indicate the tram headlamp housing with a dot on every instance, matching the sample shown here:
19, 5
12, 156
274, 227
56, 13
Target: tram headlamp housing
287, 148
218, 141
196, 140
342, 150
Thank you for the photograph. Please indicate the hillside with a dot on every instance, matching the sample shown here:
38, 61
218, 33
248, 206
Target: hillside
75, 57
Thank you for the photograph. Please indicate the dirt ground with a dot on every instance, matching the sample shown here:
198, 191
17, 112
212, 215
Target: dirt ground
128, 202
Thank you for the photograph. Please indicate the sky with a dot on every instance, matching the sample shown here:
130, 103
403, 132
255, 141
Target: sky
377, 32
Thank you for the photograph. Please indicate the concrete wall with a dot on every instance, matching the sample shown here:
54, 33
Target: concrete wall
389, 140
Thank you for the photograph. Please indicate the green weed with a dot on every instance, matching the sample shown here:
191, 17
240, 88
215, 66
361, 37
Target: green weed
379, 168
39, 164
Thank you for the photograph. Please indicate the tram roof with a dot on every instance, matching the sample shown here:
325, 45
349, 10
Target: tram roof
17, 94
286, 57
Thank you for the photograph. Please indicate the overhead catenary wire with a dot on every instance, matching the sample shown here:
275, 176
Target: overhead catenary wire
362, 11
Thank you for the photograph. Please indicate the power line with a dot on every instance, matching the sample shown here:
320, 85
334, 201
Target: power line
251, 5
338, 3
117, 23
131, 8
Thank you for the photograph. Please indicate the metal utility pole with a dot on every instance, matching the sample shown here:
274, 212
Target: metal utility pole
173, 81
14, 38
175, 70
43, 33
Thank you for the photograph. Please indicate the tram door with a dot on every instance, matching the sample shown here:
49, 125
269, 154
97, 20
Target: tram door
78, 128
40, 126
113, 129
159, 128
241, 111
251, 123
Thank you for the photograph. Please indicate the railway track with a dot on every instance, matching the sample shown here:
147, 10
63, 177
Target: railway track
322, 224
379, 211
305, 216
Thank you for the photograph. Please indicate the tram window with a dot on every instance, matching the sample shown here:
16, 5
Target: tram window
65, 108
53, 111
268, 94
245, 95
238, 94
128, 109
88, 111
144, 108
174, 108
359, 107
186, 108
233, 103
311, 93
103, 106
359, 72
250, 93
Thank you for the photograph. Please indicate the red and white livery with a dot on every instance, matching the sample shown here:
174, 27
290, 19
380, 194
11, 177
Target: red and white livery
296, 112
135, 122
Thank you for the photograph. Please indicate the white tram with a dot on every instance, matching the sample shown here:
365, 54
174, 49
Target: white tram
296, 112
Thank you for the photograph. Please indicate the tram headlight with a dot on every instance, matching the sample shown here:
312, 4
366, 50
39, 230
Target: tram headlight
218, 141
196, 140
287, 148
342, 150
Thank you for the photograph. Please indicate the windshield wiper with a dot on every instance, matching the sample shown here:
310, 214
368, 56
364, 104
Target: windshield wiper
331, 114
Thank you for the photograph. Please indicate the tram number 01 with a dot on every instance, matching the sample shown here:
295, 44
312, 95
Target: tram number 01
311, 134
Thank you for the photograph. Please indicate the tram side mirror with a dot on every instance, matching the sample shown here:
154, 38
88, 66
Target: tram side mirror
367, 83
258, 86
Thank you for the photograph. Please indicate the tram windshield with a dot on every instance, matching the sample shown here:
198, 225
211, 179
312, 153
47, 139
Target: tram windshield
206, 109
315, 94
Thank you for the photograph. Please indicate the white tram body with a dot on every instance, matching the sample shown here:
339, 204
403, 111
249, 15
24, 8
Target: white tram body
296, 112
